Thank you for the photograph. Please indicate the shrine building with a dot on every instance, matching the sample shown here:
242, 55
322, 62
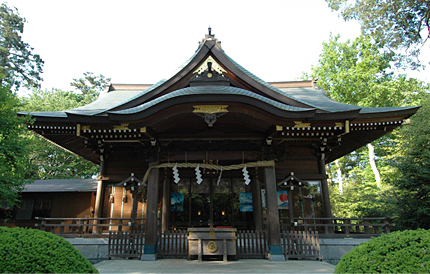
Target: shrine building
214, 146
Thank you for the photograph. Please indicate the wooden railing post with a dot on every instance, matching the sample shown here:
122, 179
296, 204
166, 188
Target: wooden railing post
120, 225
326, 229
347, 225
42, 224
366, 227
387, 225
81, 226
62, 227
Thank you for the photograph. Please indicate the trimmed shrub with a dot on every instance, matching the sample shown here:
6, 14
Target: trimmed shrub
33, 251
398, 252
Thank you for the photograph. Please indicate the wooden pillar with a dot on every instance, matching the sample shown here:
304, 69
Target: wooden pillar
101, 187
256, 202
134, 209
324, 190
275, 246
150, 248
165, 211
291, 209
189, 203
211, 204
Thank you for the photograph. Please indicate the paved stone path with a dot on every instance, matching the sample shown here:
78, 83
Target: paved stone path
241, 266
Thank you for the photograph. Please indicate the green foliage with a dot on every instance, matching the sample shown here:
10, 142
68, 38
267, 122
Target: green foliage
413, 163
397, 25
397, 252
90, 86
34, 251
18, 65
13, 153
48, 161
358, 72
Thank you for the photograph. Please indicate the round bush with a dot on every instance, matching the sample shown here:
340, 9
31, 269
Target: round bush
397, 252
33, 251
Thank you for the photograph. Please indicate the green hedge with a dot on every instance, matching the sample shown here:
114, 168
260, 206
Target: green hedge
34, 251
398, 252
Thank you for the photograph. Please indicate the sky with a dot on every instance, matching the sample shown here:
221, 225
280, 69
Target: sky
142, 42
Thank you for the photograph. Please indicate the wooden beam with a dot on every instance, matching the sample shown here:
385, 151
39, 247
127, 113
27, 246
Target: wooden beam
148, 132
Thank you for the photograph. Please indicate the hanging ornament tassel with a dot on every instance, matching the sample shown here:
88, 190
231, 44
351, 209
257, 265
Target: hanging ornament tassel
246, 175
198, 175
219, 177
176, 174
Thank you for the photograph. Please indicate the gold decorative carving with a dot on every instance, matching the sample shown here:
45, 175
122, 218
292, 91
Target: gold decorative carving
121, 127
210, 109
215, 66
300, 124
278, 128
85, 127
212, 247
338, 124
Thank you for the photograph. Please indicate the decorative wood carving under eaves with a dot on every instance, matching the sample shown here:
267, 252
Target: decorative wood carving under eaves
210, 113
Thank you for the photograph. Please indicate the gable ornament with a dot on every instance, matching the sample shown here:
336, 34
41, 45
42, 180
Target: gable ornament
210, 113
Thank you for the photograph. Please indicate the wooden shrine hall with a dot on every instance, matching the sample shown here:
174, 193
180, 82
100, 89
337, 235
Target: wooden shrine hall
214, 147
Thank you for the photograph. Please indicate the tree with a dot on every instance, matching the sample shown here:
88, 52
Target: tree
46, 160
13, 153
358, 72
90, 86
400, 26
412, 182
18, 65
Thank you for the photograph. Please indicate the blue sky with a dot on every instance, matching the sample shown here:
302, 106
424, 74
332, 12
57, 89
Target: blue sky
144, 41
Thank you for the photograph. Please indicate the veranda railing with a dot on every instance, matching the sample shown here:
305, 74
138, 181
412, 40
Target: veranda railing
88, 226
340, 227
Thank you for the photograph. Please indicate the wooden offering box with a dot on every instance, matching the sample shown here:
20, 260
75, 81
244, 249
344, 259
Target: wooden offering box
212, 241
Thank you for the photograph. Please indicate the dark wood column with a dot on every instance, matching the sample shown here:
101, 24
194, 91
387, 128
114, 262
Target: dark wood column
324, 187
150, 248
256, 202
101, 187
165, 211
211, 204
275, 247
325, 193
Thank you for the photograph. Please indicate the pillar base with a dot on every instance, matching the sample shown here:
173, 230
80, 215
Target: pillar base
149, 253
276, 253
148, 257
276, 258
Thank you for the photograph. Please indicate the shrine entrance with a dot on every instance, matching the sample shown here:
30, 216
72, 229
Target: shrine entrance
215, 202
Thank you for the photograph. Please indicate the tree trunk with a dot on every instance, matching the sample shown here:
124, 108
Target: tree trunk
339, 177
373, 164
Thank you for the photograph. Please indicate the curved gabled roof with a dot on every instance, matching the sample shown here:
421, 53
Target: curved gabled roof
222, 94
305, 100
166, 111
